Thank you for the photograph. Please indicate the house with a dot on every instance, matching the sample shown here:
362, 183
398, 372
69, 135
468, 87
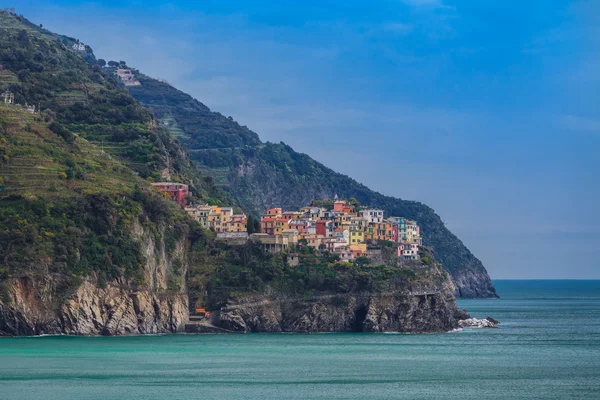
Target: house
178, 192
343, 234
324, 228
338, 205
372, 216
267, 225
301, 225
237, 223
78, 46
358, 249
280, 226
314, 213
274, 212
291, 215
200, 213
314, 241
331, 244
345, 253
356, 235
408, 251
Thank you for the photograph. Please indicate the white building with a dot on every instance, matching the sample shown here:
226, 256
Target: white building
372, 216
79, 46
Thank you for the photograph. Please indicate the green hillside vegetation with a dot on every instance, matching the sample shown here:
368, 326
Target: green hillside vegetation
68, 209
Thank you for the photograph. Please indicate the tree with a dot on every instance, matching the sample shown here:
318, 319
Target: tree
102, 62
250, 225
113, 64
253, 225
257, 228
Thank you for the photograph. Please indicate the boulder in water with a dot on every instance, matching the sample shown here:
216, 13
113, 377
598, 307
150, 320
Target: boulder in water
478, 323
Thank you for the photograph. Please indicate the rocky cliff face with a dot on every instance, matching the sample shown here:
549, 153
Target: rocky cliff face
34, 307
425, 309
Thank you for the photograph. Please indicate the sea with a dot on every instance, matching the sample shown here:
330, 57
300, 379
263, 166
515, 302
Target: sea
547, 347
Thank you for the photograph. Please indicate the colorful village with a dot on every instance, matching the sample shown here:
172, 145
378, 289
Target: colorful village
341, 228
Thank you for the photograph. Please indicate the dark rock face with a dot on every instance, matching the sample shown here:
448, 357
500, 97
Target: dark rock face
349, 313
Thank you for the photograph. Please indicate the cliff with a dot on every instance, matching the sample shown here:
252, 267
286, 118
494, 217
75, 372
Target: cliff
325, 295
260, 175
410, 313
43, 303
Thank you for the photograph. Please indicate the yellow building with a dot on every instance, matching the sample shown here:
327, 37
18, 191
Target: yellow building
356, 235
280, 226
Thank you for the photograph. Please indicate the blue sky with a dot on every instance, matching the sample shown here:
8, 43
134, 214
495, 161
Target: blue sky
487, 111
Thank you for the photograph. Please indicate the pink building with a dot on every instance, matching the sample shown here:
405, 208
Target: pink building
301, 225
408, 251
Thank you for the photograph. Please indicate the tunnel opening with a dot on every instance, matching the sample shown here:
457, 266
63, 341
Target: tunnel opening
359, 318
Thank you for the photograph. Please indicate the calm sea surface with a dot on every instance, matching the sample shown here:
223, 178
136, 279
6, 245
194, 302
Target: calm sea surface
548, 347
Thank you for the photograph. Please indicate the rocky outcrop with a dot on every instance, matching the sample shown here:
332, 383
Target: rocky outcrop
426, 309
348, 313
35, 305
472, 283
478, 323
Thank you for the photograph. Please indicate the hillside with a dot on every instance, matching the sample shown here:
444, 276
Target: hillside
260, 175
83, 100
88, 247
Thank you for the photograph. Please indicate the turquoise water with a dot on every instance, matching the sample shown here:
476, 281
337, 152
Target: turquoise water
547, 348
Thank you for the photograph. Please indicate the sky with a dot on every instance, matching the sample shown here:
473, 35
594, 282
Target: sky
489, 112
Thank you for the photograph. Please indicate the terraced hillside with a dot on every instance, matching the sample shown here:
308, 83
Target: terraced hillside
81, 99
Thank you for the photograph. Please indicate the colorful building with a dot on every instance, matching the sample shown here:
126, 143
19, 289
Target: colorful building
178, 192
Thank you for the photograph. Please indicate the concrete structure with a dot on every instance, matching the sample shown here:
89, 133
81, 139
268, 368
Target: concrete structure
270, 243
293, 259
291, 235
9, 97
178, 192
233, 238
127, 77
